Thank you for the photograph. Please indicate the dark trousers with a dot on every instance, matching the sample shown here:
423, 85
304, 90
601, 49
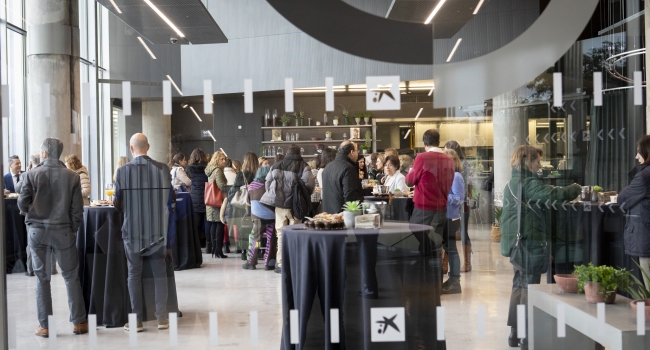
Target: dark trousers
134, 280
464, 234
199, 224
449, 243
216, 236
434, 218
519, 295
368, 261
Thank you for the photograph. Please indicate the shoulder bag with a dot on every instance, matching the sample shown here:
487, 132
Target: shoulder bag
213, 196
520, 257
241, 199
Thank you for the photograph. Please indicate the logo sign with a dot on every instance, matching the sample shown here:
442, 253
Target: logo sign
586, 135
383, 93
387, 324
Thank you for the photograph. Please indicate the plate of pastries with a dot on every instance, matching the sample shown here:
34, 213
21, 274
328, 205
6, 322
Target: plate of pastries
325, 221
100, 203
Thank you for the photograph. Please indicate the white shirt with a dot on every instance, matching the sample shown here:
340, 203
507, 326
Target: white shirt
435, 149
16, 179
319, 177
395, 181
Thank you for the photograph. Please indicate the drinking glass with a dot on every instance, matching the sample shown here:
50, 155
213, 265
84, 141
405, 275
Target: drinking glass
109, 190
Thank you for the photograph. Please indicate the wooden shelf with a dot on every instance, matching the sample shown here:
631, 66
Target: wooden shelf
316, 127
312, 141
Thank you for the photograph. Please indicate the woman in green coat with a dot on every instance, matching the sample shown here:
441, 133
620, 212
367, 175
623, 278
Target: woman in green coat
525, 163
214, 170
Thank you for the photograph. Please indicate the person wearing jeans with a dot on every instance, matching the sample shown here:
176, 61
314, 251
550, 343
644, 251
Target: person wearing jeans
52, 229
454, 201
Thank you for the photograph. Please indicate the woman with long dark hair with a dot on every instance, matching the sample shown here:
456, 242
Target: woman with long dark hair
196, 173
177, 172
464, 233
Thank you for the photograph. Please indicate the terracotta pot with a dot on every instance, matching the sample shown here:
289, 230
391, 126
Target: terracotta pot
593, 296
568, 283
647, 308
495, 234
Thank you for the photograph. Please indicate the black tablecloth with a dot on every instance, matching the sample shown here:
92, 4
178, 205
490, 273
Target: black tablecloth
399, 209
367, 191
103, 270
187, 247
16, 234
333, 267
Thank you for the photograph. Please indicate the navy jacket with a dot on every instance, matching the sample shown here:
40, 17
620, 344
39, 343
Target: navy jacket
635, 199
9, 182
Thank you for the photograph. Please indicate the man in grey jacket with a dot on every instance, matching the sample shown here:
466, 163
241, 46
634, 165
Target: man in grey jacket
53, 207
279, 189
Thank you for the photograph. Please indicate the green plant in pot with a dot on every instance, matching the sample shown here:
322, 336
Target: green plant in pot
594, 193
368, 143
495, 234
346, 113
600, 283
640, 293
285, 119
351, 210
366, 118
358, 117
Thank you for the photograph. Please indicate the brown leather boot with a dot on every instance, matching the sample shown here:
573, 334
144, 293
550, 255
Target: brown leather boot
42, 332
445, 262
81, 328
467, 257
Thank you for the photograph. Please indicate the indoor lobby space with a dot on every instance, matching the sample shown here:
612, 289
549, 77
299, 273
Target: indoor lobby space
342, 174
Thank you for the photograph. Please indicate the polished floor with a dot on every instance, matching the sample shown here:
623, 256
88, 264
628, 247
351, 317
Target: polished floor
222, 286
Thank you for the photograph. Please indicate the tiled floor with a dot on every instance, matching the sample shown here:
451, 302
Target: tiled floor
222, 286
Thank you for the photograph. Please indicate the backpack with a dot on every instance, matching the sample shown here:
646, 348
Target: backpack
300, 198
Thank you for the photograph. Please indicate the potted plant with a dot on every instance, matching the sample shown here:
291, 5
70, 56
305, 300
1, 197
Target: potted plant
594, 193
366, 146
328, 135
358, 116
346, 113
495, 234
335, 121
300, 117
351, 210
366, 118
285, 119
600, 282
639, 292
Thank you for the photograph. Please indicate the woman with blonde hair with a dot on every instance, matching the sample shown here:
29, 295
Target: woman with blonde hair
120, 161
523, 217
245, 175
214, 171
73, 163
454, 201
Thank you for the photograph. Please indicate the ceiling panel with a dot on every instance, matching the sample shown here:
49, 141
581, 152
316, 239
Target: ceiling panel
190, 16
451, 17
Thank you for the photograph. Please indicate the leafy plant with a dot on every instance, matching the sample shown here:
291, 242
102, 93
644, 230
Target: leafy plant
368, 142
497, 216
346, 113
638, 290
367, 115
336, 118
285, 119
609, 278
359, 115
598, 189
352, 206
328, 132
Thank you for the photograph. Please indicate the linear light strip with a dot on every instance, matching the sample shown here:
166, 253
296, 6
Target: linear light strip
196, 114
115, 5
435, 10
418, 116
147, 48
431, 91
175, 86
164, 18
407, 134
213, 139
454, 49
478, 7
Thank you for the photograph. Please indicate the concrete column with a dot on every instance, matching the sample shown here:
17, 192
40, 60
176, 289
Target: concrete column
158, 129
510, 125
53, 58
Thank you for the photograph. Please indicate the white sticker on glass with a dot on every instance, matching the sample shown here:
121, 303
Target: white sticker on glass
557, 89
51, 324
133, 330
382, 93
288, 95
85, 99
335, 336
329, 94
92, 331
640, 318
248, 96
126, 98
254, 327
561, 321
293, 327
207, 96
167, 97
214, 329
521, 321
440, 322
638, 91
173, 329
598, 88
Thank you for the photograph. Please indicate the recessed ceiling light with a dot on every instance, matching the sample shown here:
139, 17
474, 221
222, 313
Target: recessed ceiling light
185, 104
115, 5
196, 114
480, 3
164, 18
146, 48
454, 49
435, 10
175, 86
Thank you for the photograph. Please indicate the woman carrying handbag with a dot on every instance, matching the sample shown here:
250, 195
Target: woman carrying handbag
523, 227
215, 191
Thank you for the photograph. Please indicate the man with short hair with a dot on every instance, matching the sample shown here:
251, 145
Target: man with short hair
432, 175
143, 191
14, 175
341, 178
53, 206
279, 190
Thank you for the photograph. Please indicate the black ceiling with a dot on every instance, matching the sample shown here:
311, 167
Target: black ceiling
451, 17
190, 16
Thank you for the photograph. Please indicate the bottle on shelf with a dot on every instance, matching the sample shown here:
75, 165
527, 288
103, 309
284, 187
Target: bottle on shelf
288, 137
272, 152
275, 116
280, 150
325, 119
297, 136
266, 117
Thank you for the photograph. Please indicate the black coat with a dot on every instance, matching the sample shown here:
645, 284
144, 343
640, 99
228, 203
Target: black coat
196, 173
635, 199
342, 184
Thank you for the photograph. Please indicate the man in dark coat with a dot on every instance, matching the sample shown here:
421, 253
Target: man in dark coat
14, 176
143, 192
53, 207
341, 178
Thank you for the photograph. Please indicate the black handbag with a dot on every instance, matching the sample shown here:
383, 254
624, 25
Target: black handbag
520, 257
